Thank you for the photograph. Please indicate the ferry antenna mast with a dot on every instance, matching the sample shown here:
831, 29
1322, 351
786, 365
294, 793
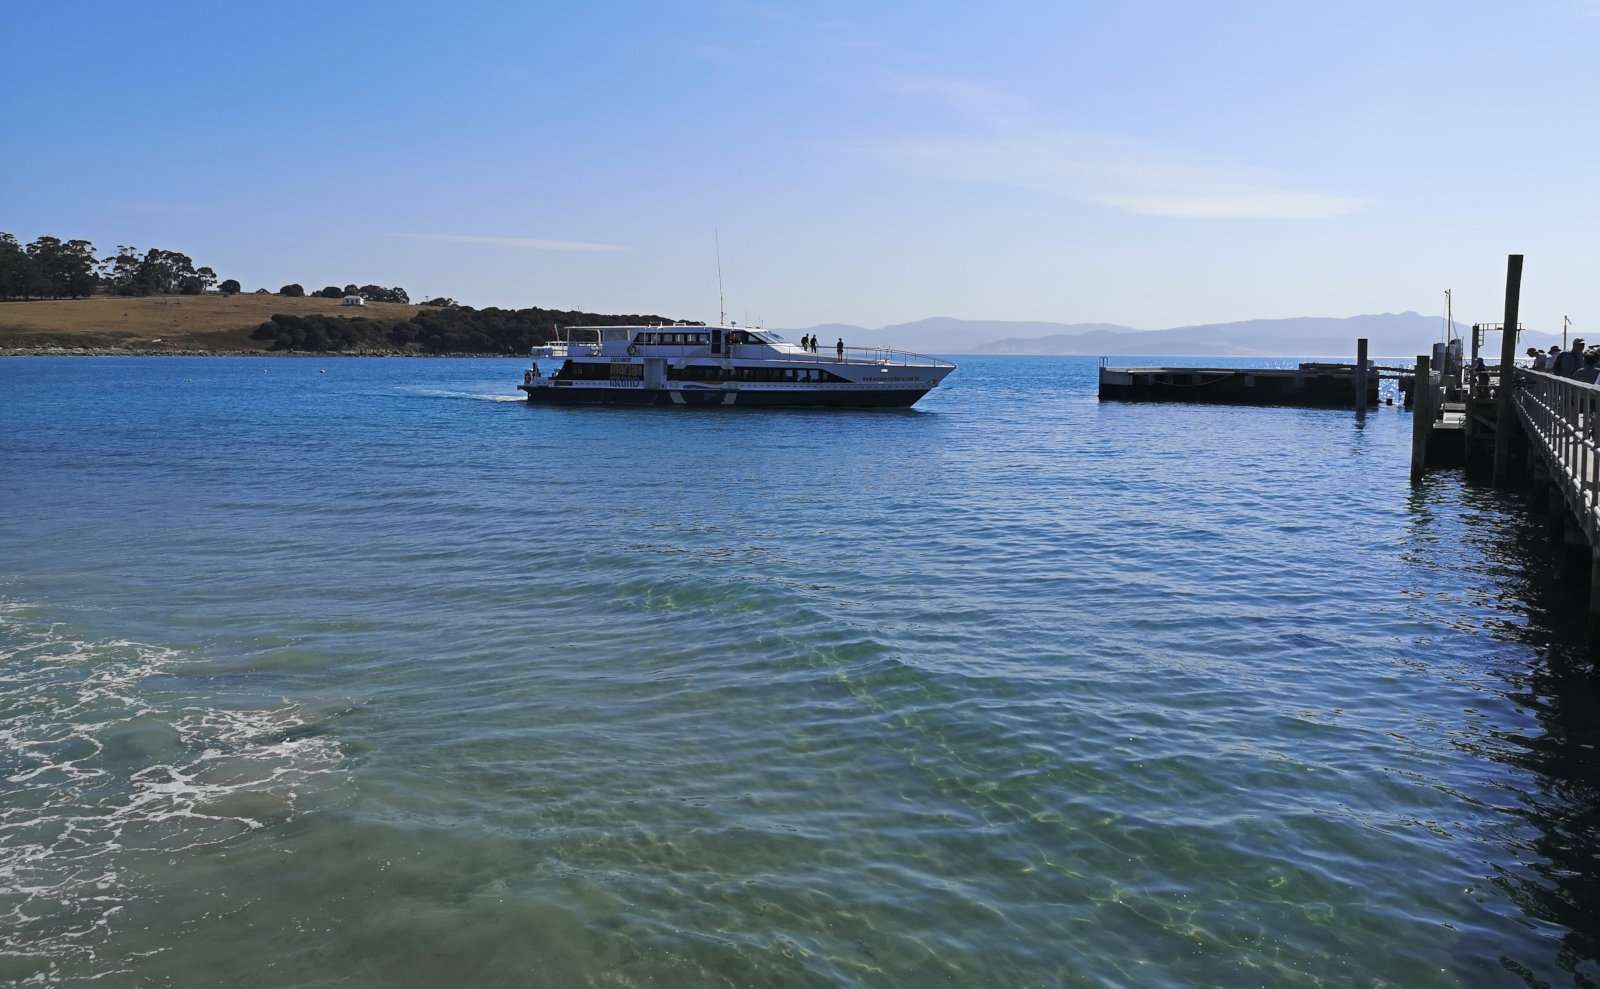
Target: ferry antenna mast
722, 306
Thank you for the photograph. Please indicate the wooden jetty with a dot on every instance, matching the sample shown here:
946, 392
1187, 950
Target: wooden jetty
1310, 384
1463, 417
1524, 429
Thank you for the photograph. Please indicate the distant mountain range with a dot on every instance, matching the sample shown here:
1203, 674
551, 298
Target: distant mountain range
1388, 334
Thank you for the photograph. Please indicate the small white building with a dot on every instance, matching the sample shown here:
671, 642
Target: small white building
354, 300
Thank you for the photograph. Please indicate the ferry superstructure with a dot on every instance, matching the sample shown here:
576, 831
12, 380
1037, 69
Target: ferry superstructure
723, 366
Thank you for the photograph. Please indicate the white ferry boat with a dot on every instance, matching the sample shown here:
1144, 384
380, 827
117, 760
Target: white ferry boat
722, 365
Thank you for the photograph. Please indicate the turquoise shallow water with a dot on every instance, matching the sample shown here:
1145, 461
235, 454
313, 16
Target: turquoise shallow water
377, 676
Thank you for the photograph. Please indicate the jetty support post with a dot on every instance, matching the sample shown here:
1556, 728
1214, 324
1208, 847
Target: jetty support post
1505, 414
1361, 375
1594, 601
1421, 418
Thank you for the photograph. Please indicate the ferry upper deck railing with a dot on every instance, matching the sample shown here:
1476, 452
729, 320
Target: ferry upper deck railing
779, 352
1561, 417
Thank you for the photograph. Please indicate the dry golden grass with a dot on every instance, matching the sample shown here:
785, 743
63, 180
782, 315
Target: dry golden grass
164, 322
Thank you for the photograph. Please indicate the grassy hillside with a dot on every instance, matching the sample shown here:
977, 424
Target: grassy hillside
165, 322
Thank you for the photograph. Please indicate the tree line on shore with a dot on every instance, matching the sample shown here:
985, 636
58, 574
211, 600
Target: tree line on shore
52, 268
372, 293
440, 329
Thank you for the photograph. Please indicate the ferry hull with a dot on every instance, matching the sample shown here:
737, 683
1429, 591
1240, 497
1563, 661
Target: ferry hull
884, 398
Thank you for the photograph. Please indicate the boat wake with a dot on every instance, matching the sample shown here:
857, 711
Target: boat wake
97, 768
467, 396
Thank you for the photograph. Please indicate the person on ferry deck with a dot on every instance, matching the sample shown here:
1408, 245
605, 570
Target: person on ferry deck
838, 348
805, 343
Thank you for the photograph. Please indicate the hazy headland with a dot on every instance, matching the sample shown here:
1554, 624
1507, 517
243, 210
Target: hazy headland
1388, 334
58, 296
275, 324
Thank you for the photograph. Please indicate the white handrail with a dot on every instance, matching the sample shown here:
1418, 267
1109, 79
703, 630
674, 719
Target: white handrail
768, 353
1561, 417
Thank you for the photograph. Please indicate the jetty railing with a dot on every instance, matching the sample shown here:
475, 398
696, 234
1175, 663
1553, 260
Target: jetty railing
1560, 417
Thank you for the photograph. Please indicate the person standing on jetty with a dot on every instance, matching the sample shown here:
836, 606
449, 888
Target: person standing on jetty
1537, 356
1568, 361
1590, 371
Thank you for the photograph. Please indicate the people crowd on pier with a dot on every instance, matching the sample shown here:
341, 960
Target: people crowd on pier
1577, 362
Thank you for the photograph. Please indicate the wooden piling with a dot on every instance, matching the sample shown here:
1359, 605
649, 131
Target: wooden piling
1361, 375
1506, 416
1594, 601
1421, 418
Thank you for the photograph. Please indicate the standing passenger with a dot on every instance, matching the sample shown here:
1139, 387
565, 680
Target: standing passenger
1590, 371
1570, 361
838, 348
1538, 358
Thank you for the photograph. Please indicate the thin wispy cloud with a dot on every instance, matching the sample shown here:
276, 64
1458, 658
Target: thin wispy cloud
1243, 206
519, 243
841, 31
1013, 150
981, 104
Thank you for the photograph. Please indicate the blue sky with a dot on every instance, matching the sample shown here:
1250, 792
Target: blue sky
1150, 163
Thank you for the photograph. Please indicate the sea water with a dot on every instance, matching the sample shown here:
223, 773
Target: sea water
354, 672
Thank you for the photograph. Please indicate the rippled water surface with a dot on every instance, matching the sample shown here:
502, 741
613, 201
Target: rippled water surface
361, 672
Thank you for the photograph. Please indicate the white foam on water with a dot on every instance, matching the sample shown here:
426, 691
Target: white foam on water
469, 396
72, 810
